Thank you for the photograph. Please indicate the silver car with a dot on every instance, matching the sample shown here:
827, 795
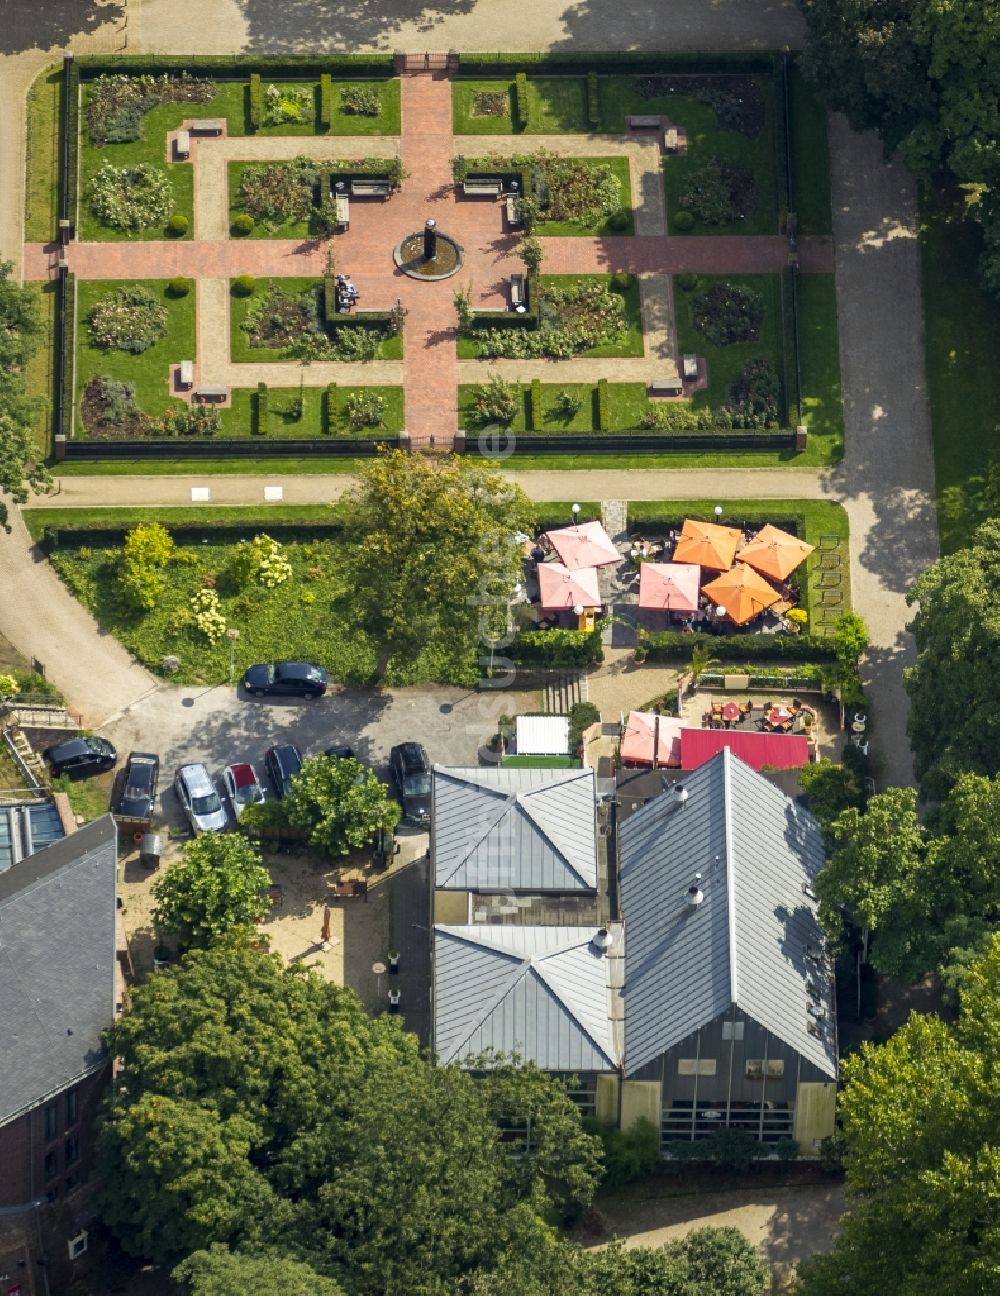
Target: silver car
199, 799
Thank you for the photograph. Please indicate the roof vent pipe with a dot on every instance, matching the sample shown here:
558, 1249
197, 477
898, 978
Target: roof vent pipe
695, 895
680, 793
602, 940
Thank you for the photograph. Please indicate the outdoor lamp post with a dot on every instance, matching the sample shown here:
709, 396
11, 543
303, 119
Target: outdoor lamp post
575, 510
232, 635
718, 512
720, 611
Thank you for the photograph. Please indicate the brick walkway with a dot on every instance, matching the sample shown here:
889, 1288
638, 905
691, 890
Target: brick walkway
430, 369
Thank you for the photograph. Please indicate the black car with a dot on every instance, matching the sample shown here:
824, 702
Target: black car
411, 771
81, 757
282, 764
142, 773
285, 679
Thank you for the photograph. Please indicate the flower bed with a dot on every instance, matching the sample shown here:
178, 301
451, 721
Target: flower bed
561, 195
719, 193
578, 314
274, 194
131, 197
286, 321
726, 313
116, 105
128, 319
289, 104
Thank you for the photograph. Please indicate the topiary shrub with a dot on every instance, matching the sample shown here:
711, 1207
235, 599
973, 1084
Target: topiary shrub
522, 110
177, 225
603, 409
242, 224
261, 411
593, 102
618, 220
256, 101
325, 100
243, 286
683, 220
178, 286
620, 282
687, 282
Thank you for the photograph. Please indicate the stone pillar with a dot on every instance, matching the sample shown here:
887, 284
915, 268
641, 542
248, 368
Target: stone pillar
430, 240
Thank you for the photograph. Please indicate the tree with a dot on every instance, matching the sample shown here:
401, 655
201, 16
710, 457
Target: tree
830, 790
340, 803
850, 641
921, 1117
318, 1131
218, 887
221, 1272
21, 331
146, 552
434, 561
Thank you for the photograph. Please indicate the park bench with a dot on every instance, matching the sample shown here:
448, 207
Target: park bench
640, 122
518, 291
689, 368
484, 188
513, 215
208, 126
342, 211
666, 387
211, 393
671, 140
376, 188
182, 144
187, 373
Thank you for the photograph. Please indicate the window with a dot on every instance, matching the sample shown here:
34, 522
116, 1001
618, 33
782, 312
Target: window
51, 1121
72, 1107
757, 1068
696, 1066
732, 1030
51, 1164
72, 1149
72, 1181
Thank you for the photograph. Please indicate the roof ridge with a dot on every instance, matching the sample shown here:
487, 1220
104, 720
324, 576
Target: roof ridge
504, 801
539, 972
522, 963
727, 805
532, 816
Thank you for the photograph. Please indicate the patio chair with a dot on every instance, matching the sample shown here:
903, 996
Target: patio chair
831, 558
827, 542
832, 597
829, 579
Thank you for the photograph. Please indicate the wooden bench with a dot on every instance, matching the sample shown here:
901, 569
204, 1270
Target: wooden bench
342, 211
518, 290
182, 144
689, 368
666, 387
513, 215
351, 888
208, 126
187, 373
671, 140
371, 188
485, 188
211, 393
640, 122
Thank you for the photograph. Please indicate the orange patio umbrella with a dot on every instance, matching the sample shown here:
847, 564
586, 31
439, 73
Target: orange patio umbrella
707, 544
774, 552
742, 593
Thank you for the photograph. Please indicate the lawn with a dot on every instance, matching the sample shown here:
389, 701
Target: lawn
810, 156
540, 762
229, 102
244, 353
627, 403
41, 198
150, 371
40, 371
89, 797
557, 106
630, 344
386, 123
962, 340
822, 399
725, 364
238, 420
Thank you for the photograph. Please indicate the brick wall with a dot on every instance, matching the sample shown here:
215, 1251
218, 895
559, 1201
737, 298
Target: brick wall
48, 1151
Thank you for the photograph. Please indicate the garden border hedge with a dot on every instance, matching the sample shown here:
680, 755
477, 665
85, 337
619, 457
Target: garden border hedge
612, 61
522, 105
671, 645
260, 410
227, 448
67, 372
629, 440
325, 101
237, 67
256, 114
328, 409
557, 648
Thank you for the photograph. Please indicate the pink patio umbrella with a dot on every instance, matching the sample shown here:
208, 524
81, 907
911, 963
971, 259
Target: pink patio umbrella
586, 545
561, 590
642, 730
669, 587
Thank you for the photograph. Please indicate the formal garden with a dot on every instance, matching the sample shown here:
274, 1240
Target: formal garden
289, 200
295, 319
559, 195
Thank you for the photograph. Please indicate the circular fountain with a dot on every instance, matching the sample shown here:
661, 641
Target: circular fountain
428, 254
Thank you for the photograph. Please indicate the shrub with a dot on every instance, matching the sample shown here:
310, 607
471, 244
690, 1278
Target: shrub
127, 319
718, 193
261, 410
287, 105
330, 409
581, 716
207, 615
535, 404
620, 281
256, 102
628, 1155
243, 286
532, 254
603, 408
325, 100
687, 282
494, 401
361, 101
683, 220
177, 225
179, 286
618, 220
786, 1149
365, 409
133, 197
593, 102
271, 567
146, 551
243, 224
728, 313
522, 104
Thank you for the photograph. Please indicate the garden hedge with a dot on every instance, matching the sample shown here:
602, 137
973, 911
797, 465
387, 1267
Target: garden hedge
325, 100
70, 144
522, 108
256, 102
136, 450
535, 404
593, 102
67, 309
603, 411
235, 67
557, 648
260, 410
329, 297
612, 61
329, 409
671, 645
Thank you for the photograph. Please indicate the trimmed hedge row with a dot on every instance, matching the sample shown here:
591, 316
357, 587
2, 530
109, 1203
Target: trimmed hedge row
227, 448
557, 648
260, 410
256, 102
593, 102
671, 645
325, 100
535, 404
67, 308
234, 67
329, 409
70, 144
329, 297
522, 108
611, 61
603, 411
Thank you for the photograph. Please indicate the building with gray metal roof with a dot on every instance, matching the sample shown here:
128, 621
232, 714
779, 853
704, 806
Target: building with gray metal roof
550, 994
728, 991
528, 830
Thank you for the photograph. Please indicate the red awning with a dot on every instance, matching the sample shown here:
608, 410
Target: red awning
779, 751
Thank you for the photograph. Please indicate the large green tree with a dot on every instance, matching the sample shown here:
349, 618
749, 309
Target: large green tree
921, 1116
285, 1116
221, 1272
21, 331
217, 887
954, 721
340, 803
433, 561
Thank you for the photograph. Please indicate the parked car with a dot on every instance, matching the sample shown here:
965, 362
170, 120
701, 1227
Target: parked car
285, 679
142, 773
242, 787
81, 757
411, 771
283, 763
199, 799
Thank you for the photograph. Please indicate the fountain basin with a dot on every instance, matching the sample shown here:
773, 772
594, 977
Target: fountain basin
408, 255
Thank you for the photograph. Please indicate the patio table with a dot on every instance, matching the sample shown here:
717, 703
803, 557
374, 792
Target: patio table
731, 711
778, 716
